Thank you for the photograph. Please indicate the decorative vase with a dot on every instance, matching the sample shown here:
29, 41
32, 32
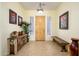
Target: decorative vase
74, 48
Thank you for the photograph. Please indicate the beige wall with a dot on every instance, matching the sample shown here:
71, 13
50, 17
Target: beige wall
7, 28
73, 30
0, 26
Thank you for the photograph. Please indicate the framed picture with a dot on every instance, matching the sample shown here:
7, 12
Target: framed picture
12, 17
19, 20
63, 20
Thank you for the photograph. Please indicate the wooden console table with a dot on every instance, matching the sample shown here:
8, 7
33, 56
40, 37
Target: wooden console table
16, 41
12, 45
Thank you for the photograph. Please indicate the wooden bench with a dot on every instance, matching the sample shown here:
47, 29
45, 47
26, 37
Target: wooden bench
61, 42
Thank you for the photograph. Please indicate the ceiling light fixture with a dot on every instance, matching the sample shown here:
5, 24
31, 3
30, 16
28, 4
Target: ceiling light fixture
40, 9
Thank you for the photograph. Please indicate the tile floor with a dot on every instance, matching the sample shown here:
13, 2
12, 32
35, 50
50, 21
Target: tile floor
41, 48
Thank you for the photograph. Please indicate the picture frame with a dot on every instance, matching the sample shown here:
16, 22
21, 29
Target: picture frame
63, 20
20, 19
12, 17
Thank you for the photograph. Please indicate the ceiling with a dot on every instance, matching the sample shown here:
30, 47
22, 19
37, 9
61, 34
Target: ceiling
35, 5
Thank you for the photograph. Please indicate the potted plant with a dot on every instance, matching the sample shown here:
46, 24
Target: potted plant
25, 28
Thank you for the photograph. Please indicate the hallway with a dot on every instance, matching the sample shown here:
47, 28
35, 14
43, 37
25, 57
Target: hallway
24, 21
41, 48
